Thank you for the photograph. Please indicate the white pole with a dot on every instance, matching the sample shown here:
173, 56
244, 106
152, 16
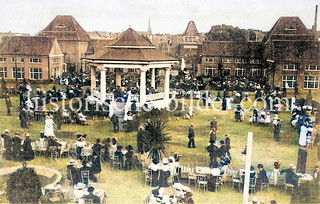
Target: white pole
247, 169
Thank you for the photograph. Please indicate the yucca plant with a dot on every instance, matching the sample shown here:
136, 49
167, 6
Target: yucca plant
156, 139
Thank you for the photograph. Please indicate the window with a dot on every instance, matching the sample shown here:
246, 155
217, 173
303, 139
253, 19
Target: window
255, 72
255, 61
226, 60
3, 59
312, 68
209, 70
210, 60
239, 71
35, 60
311, 82
13, 59
55, 60
20, 73
292, 67
35, 73
132, 70
21, 60
239, 60
289, 82
3, 72
226, 71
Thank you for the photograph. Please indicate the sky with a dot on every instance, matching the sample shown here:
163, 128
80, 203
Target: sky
166, 16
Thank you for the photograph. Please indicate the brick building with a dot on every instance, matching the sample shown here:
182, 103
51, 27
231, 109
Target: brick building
31, 57
293, 55
72, 38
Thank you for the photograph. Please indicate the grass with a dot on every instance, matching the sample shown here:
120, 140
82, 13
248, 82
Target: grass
128, 186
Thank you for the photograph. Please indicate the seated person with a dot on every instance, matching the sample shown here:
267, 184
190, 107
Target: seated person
291, 176
91, 196
74, 173
87, 166
129, 158
119, 153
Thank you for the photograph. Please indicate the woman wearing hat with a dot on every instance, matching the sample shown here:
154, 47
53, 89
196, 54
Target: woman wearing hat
164, 173
27, 153
277, 130
7, 144
16, 147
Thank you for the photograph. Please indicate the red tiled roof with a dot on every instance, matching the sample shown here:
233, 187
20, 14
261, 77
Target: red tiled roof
65, 28
27, 45
289, 25
131, 38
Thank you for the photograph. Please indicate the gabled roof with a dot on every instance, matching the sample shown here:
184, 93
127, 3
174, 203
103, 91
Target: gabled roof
133, 47
131, 38
65, 28
289, 25
191, 29
27, 45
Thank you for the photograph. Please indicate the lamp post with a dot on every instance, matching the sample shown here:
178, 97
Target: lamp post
15, 66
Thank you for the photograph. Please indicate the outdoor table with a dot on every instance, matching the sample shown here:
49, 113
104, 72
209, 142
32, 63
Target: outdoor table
79, 194
304, 177
208, 171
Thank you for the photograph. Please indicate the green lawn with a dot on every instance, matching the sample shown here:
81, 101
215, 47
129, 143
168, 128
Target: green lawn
128, 186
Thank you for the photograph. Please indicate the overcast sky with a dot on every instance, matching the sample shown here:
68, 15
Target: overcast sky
167, 16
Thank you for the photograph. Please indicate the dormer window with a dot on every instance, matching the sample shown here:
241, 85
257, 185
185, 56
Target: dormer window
290, 28
60, 26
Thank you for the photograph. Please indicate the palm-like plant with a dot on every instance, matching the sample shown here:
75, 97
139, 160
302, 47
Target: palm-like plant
156, 138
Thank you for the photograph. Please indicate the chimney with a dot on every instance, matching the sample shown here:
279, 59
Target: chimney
315, 20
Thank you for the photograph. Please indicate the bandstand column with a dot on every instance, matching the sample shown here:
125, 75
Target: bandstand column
118, 78
166, 85
153, 78
143, 85
103, 85
93, 80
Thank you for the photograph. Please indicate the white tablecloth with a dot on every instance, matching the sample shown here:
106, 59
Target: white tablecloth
305, 177
207, 170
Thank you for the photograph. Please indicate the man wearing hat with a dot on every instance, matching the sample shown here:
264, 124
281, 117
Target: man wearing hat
291, 176
27, 153
74, 174
7, 144
16, 147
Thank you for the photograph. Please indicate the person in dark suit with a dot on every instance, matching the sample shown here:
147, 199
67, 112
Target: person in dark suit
213, 154
222, 149
74, 175
212, 135
291, 176
91, 196
277, 130
228, 145
191, 137
213, 124
119, 153
16, 147
316, 180
115, 122
27, 153
262, 177
7, 145
96, 148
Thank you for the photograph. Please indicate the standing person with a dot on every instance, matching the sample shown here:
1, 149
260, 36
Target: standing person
23, 116
302, 159
79, 145
27, 153
8, 103
237, 114
214, 124
115, 122
7, 144
16, 147
213, 154
191, 137
96, 148
140, 140
262, 177
212, 136
316, 180
106, 155
228, 145
277, 130
48, 126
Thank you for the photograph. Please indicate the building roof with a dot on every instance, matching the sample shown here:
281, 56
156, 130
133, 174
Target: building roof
131, 38
98, 47
191, 29
290, 26
65, 27
132, 47
27, 45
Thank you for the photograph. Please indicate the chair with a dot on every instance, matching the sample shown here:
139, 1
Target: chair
148, 176
252, 185
236, 180
85, 176
53, 151
192, 177
117, 163
69, 180
218, 183
288, 185
202, 182
184, 172
88, 201
264, 185
66, 151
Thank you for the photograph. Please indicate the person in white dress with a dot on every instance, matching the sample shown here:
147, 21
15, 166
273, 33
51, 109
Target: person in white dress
228, 104
48, 126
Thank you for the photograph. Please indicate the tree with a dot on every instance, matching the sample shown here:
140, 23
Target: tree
156, 138
24, 186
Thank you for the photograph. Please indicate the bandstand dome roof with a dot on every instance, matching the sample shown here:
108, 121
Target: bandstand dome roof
133, 47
